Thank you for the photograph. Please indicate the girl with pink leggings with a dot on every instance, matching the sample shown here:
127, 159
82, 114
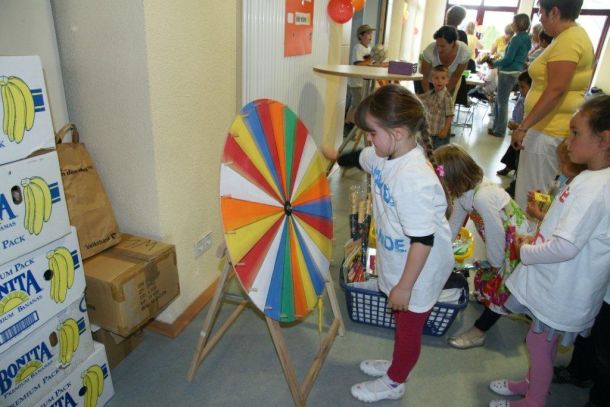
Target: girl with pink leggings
565, 267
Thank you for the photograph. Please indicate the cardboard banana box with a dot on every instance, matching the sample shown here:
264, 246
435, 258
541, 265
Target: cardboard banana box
37, 286
130, 283
33, 208
32, 367
24, 109
88, 385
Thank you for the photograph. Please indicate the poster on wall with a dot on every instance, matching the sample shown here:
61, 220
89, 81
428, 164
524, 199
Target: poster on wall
298, 27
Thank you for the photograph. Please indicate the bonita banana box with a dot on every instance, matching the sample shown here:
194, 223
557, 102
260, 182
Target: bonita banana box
33, 208
89, 384
37, 286
130, 283
24, 109
32, 367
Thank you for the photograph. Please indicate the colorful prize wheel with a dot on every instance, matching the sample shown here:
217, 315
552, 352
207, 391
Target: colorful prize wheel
276, 210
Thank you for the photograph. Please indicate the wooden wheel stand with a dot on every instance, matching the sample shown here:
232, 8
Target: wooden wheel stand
205, 343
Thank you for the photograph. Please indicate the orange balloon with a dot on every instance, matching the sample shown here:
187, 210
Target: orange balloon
341, 11
358, 4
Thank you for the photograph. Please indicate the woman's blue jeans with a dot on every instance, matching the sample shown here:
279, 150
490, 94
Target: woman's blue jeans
506, 82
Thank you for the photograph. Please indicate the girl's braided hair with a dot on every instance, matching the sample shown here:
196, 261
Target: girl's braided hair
393, 106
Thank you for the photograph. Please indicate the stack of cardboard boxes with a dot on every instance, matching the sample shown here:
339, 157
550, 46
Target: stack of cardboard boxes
47, 354
127, 286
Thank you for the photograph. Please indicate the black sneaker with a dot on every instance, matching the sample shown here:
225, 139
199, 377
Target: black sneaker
561, 375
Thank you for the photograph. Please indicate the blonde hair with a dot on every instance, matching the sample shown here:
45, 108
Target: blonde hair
564, 157
470, 28
462, 173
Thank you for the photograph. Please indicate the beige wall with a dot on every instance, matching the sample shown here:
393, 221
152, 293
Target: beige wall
336, 86
434, 18
153, 87
191, 55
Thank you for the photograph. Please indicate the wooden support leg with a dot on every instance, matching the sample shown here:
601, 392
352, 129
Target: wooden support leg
334, 305
319, 358
207, 324
282, 352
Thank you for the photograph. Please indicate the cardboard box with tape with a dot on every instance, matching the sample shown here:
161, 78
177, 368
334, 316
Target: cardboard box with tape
117, 347
130, 283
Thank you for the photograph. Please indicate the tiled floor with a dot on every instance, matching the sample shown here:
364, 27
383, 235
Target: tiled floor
243, 368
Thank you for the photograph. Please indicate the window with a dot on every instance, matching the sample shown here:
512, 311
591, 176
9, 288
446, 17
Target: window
594, 18
490, 17
501, 3
595, 4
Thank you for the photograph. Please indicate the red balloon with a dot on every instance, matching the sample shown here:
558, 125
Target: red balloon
358, 4
341, 11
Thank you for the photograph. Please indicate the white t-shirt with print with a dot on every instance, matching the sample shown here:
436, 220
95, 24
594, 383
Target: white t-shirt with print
568, 295
431, 56
359, 52
489, 201
408, 200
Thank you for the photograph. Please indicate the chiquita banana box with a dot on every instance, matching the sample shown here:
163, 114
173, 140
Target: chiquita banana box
88, 385
35, 365
33, 208
24, 109
37, 286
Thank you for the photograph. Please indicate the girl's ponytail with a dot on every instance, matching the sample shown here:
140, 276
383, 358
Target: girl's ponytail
426, 141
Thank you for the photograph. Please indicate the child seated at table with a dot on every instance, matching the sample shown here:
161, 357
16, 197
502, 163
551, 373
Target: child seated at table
487, 90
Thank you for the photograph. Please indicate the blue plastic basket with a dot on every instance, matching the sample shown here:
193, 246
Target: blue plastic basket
371, 308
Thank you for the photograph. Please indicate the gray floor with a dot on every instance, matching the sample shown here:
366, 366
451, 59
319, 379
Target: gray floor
243, 367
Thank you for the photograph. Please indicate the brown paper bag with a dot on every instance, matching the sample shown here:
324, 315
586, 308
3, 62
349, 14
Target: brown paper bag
89, 208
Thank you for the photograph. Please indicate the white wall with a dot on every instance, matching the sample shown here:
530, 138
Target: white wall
26, 28
291, 80
103, 55
153, 87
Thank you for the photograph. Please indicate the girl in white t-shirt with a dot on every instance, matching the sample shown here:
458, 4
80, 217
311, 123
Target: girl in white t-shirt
498, 219
565, 267
414, 256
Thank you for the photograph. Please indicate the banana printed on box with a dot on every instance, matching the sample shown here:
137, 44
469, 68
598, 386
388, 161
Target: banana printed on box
33, 209
24, 111
32, 367
38, 285
89, 385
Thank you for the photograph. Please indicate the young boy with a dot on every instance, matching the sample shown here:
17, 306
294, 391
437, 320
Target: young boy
439, 107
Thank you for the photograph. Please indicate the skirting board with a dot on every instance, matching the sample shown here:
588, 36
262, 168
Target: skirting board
175, 328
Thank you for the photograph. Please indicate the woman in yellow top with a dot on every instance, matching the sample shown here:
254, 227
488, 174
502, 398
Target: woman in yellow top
560, 77
473, 41
499, 45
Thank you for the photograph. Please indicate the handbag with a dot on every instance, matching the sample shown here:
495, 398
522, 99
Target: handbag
89, 208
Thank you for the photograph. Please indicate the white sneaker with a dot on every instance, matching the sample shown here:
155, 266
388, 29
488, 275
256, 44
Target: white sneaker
375, 368
499, 403
375, 390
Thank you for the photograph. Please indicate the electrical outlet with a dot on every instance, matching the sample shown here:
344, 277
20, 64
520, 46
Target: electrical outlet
203, 244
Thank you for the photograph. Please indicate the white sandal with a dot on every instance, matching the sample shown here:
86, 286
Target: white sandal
501, 387
499, 403
375, 368
376, 390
